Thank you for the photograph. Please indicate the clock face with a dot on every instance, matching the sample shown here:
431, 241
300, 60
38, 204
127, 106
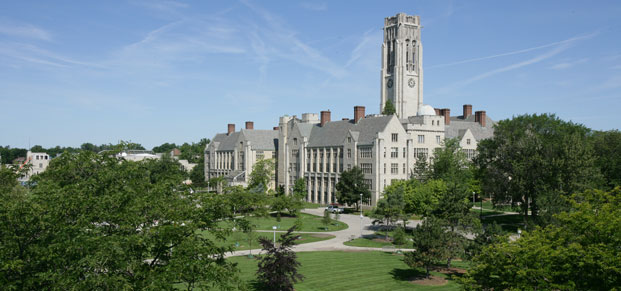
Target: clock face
411, 82
389, 83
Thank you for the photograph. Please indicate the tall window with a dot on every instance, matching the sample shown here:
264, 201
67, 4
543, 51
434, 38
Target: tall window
295, 141
404, 153
394, 152
404, 168
367, 168
395, 137
384, 168
349, 153
467, 141
421, 139
394, 168
365, 152
438, 141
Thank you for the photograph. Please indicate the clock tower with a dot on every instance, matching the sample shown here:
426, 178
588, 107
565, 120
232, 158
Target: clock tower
402, 65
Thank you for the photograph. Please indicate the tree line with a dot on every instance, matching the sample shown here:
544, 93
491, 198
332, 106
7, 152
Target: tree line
562, 176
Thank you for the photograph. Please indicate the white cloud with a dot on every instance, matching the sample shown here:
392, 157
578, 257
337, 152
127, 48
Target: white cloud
613, 82
568, 64
314, 6
25, 31
557, 43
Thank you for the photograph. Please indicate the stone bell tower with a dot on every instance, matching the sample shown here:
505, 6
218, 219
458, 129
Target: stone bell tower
402, 64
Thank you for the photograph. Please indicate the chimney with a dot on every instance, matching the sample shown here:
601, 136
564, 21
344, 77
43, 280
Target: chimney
325, 117
438, 111
358, 113
467, 110
249, 125
231, 128
480, 117
446, 112
275, 128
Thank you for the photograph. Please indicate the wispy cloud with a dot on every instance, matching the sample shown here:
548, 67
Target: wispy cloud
568, 64
25, 31
613, 82
36, 55
287, 45
314, 6
557, 43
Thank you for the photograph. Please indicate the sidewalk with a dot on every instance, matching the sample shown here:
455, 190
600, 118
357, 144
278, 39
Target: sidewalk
336, 243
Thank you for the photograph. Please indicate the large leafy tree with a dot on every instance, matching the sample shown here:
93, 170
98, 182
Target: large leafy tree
391, 208
350, 186
537, 160
607, 150
261, 175
278, 268
580, 251
98, 222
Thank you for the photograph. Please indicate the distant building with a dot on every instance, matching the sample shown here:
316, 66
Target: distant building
232, 155
37, 162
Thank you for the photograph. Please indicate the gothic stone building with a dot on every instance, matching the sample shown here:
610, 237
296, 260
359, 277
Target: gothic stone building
385, 147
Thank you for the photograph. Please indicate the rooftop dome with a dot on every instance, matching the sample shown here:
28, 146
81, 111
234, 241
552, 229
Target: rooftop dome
426, 110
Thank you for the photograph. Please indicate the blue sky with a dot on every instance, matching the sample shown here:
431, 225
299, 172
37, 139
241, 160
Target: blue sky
176, 71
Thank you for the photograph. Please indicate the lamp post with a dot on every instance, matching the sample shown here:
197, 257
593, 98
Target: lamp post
274, 228
360, 215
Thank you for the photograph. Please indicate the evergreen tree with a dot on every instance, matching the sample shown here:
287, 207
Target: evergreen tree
389, 108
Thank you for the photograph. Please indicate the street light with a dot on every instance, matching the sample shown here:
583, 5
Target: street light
274, 228
360, 215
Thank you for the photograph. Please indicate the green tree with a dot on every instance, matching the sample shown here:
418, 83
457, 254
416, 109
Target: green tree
164, 148
98, 222
428, 241
579, 252
422, 198
278, 268
261, 176
390, 209
326, 220
537, 160
607, 151
389, 108
197, 174
350, 186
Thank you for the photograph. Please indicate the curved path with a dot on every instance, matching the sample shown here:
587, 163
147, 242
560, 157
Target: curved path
341, 236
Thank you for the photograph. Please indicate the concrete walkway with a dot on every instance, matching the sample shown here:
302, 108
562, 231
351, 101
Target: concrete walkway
341, 236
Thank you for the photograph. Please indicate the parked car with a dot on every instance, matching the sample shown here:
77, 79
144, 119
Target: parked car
334, 209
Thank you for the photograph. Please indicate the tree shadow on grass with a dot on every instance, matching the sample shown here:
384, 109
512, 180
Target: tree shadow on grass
407, 274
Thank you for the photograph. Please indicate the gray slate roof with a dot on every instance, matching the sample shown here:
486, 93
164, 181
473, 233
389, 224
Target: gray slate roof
333, 133
459, 125
259, 139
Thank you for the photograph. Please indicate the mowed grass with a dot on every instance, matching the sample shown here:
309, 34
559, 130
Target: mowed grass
241, 241
309, 223
370, 242
349, 271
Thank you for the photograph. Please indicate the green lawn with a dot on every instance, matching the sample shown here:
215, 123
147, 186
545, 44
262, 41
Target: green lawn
309, 205
376, 240
240, 240
309, 223
371, 243
349, 271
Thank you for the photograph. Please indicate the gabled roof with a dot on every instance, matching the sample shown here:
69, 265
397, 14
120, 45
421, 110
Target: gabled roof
458, 126
333, 133
259, 139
